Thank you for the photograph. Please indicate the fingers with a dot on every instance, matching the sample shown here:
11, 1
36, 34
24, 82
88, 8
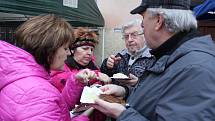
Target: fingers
85, 75
133, 76
110, 109
117, 59
107, 89
104, 88
108, 92
112, 60
104, 78
102, 105
133, 81
91, 74
88, 112
112, 89
101, 102
128, 82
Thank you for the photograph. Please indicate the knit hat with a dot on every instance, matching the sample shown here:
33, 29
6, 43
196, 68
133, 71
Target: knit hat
168, 4
84, 37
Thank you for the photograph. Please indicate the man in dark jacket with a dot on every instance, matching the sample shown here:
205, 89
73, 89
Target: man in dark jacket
180, 85
132, 60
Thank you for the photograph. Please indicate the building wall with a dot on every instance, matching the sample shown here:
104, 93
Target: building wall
115, 13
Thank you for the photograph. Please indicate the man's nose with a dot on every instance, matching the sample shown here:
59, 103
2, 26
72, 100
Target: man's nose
130, 38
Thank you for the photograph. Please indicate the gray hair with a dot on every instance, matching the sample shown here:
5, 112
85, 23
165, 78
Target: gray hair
176, 20
136, 22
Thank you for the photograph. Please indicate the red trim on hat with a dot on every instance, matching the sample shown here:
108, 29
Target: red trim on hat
83, 43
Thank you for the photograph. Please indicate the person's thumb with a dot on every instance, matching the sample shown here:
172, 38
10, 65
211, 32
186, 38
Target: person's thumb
117, 58
108, 92
132, 76
112, 56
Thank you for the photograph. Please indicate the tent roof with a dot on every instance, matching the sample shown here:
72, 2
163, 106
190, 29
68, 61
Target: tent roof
86, 14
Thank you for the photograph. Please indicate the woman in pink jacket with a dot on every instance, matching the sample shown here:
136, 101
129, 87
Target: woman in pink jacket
81, 58
25, 89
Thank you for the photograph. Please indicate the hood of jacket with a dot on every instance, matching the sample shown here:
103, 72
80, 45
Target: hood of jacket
16, 63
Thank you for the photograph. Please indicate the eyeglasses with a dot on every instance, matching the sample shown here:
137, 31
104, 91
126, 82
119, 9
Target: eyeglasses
133, 35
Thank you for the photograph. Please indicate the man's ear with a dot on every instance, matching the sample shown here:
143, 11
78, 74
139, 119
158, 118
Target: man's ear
159, 23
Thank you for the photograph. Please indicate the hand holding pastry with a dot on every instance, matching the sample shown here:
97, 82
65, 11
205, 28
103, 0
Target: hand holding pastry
132, 81
110, 109
112, 89
104, 78
85, 75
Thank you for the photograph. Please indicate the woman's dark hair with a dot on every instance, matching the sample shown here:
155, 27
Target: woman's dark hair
42, 36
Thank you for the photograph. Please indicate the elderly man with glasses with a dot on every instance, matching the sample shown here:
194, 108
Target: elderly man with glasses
131, 61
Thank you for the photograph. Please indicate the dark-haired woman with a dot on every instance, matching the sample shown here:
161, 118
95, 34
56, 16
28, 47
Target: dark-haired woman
42, 44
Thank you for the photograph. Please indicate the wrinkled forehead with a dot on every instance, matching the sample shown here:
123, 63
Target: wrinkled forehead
133, 29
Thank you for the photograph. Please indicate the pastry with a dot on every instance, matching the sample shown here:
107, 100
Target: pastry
120, 75
112, 99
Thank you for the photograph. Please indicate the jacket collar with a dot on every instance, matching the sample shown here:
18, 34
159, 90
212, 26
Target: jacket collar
173, 43
73, 64
167, 56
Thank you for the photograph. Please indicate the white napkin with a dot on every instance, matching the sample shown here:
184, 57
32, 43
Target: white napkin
90, 94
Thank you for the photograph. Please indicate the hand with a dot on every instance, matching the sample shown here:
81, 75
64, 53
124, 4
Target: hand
132, 82
112, 89
88, 112
85, 75
110, 109
104, 78
112, 60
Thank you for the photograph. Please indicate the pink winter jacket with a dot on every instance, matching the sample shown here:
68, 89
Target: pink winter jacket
60, 80
26, 92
